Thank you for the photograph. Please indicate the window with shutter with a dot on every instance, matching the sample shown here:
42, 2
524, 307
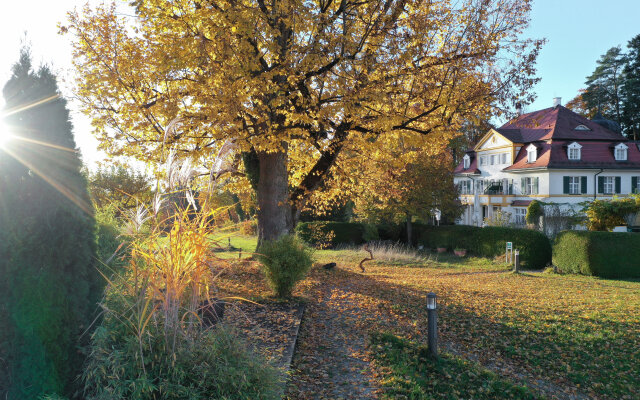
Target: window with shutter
583, 184
565, 184
601, 184
608, 185
618, 184
634, 185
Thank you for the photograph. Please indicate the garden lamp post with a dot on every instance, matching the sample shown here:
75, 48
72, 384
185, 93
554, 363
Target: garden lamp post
432, 325
516, 260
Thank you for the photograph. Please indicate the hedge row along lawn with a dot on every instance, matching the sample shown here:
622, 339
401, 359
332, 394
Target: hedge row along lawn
577, 333
410, 373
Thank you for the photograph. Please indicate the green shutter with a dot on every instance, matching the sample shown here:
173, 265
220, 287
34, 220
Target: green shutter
565, 184
535, 185
523, 185
634, 184
583, 184
618, 184
601, 184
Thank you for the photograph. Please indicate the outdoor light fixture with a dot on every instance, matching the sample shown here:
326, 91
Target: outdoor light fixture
432, 325
431, 301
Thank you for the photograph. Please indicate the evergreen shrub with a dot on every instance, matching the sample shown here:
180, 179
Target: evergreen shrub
285, 262
535, 248
603, 254
49, 285
344, 233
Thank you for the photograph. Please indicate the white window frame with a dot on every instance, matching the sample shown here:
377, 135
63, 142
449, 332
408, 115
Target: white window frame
574, 152
530, 185
520, 215
609, 183
483, 160
637, 188
503, 156
575, 185
493, 159
620, 152
466, 161
532, 154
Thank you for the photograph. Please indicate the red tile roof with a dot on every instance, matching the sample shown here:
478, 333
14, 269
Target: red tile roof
520, 203
551, 130
596, 154
473, 165
558, 123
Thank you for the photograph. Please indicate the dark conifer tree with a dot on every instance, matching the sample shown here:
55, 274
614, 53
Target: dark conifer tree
48, 280
604, 85
631, 90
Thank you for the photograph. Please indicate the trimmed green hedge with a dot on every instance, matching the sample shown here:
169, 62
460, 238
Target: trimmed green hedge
345, 232
603, 254
535, 248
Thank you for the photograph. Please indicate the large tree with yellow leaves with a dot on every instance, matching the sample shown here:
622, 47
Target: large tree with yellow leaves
301, 85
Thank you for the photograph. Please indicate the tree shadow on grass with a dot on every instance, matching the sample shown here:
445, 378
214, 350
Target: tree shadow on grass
563, 354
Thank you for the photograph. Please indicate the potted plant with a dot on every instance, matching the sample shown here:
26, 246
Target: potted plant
441, 247
460, 252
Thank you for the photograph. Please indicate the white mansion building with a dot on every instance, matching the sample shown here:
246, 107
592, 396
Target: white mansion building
552, 155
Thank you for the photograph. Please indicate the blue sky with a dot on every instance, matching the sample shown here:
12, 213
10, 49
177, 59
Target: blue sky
578, 32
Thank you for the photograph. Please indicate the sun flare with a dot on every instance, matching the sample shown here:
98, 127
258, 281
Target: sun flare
5, 135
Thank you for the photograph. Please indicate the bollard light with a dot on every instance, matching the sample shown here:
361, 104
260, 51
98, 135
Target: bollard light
432, 325
431, 301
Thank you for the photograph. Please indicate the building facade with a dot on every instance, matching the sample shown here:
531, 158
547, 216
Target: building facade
552, 155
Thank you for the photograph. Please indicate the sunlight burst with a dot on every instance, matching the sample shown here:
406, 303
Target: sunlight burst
5, 134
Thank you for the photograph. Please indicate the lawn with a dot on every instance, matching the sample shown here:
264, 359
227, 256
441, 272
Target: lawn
570, 335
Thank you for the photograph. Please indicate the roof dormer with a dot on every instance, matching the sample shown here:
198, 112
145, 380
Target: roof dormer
581, 127
620, 152
574, 151
532, 153
466, 161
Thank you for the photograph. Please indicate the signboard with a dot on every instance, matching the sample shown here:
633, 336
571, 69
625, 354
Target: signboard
508, 254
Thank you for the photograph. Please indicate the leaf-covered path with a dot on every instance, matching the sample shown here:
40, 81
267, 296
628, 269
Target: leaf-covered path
331, 359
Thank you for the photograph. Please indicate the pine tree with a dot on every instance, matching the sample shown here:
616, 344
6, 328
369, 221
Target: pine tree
631, 90
603, 92
48, 288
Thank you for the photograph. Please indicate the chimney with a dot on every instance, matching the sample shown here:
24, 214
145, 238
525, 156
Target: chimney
519, 108
557, 101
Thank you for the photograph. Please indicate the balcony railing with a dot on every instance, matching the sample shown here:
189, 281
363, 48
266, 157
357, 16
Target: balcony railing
499, 188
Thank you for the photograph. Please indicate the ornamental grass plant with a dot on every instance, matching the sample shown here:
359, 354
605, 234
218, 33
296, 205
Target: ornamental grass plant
152, 342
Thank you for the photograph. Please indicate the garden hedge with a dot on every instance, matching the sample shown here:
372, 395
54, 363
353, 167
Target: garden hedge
535, 248
344, 232
603, 254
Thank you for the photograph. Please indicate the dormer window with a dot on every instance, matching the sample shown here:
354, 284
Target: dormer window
532, 154
573, 151
621, 152
466, 160
581, 128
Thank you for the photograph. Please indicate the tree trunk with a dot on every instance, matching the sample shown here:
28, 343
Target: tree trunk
274, 210
409, 230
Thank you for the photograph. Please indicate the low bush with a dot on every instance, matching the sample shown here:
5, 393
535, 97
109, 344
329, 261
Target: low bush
339, 233
285, 262
535, 248
108, 237
128, 363
390, 232
603, 254
249, 228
